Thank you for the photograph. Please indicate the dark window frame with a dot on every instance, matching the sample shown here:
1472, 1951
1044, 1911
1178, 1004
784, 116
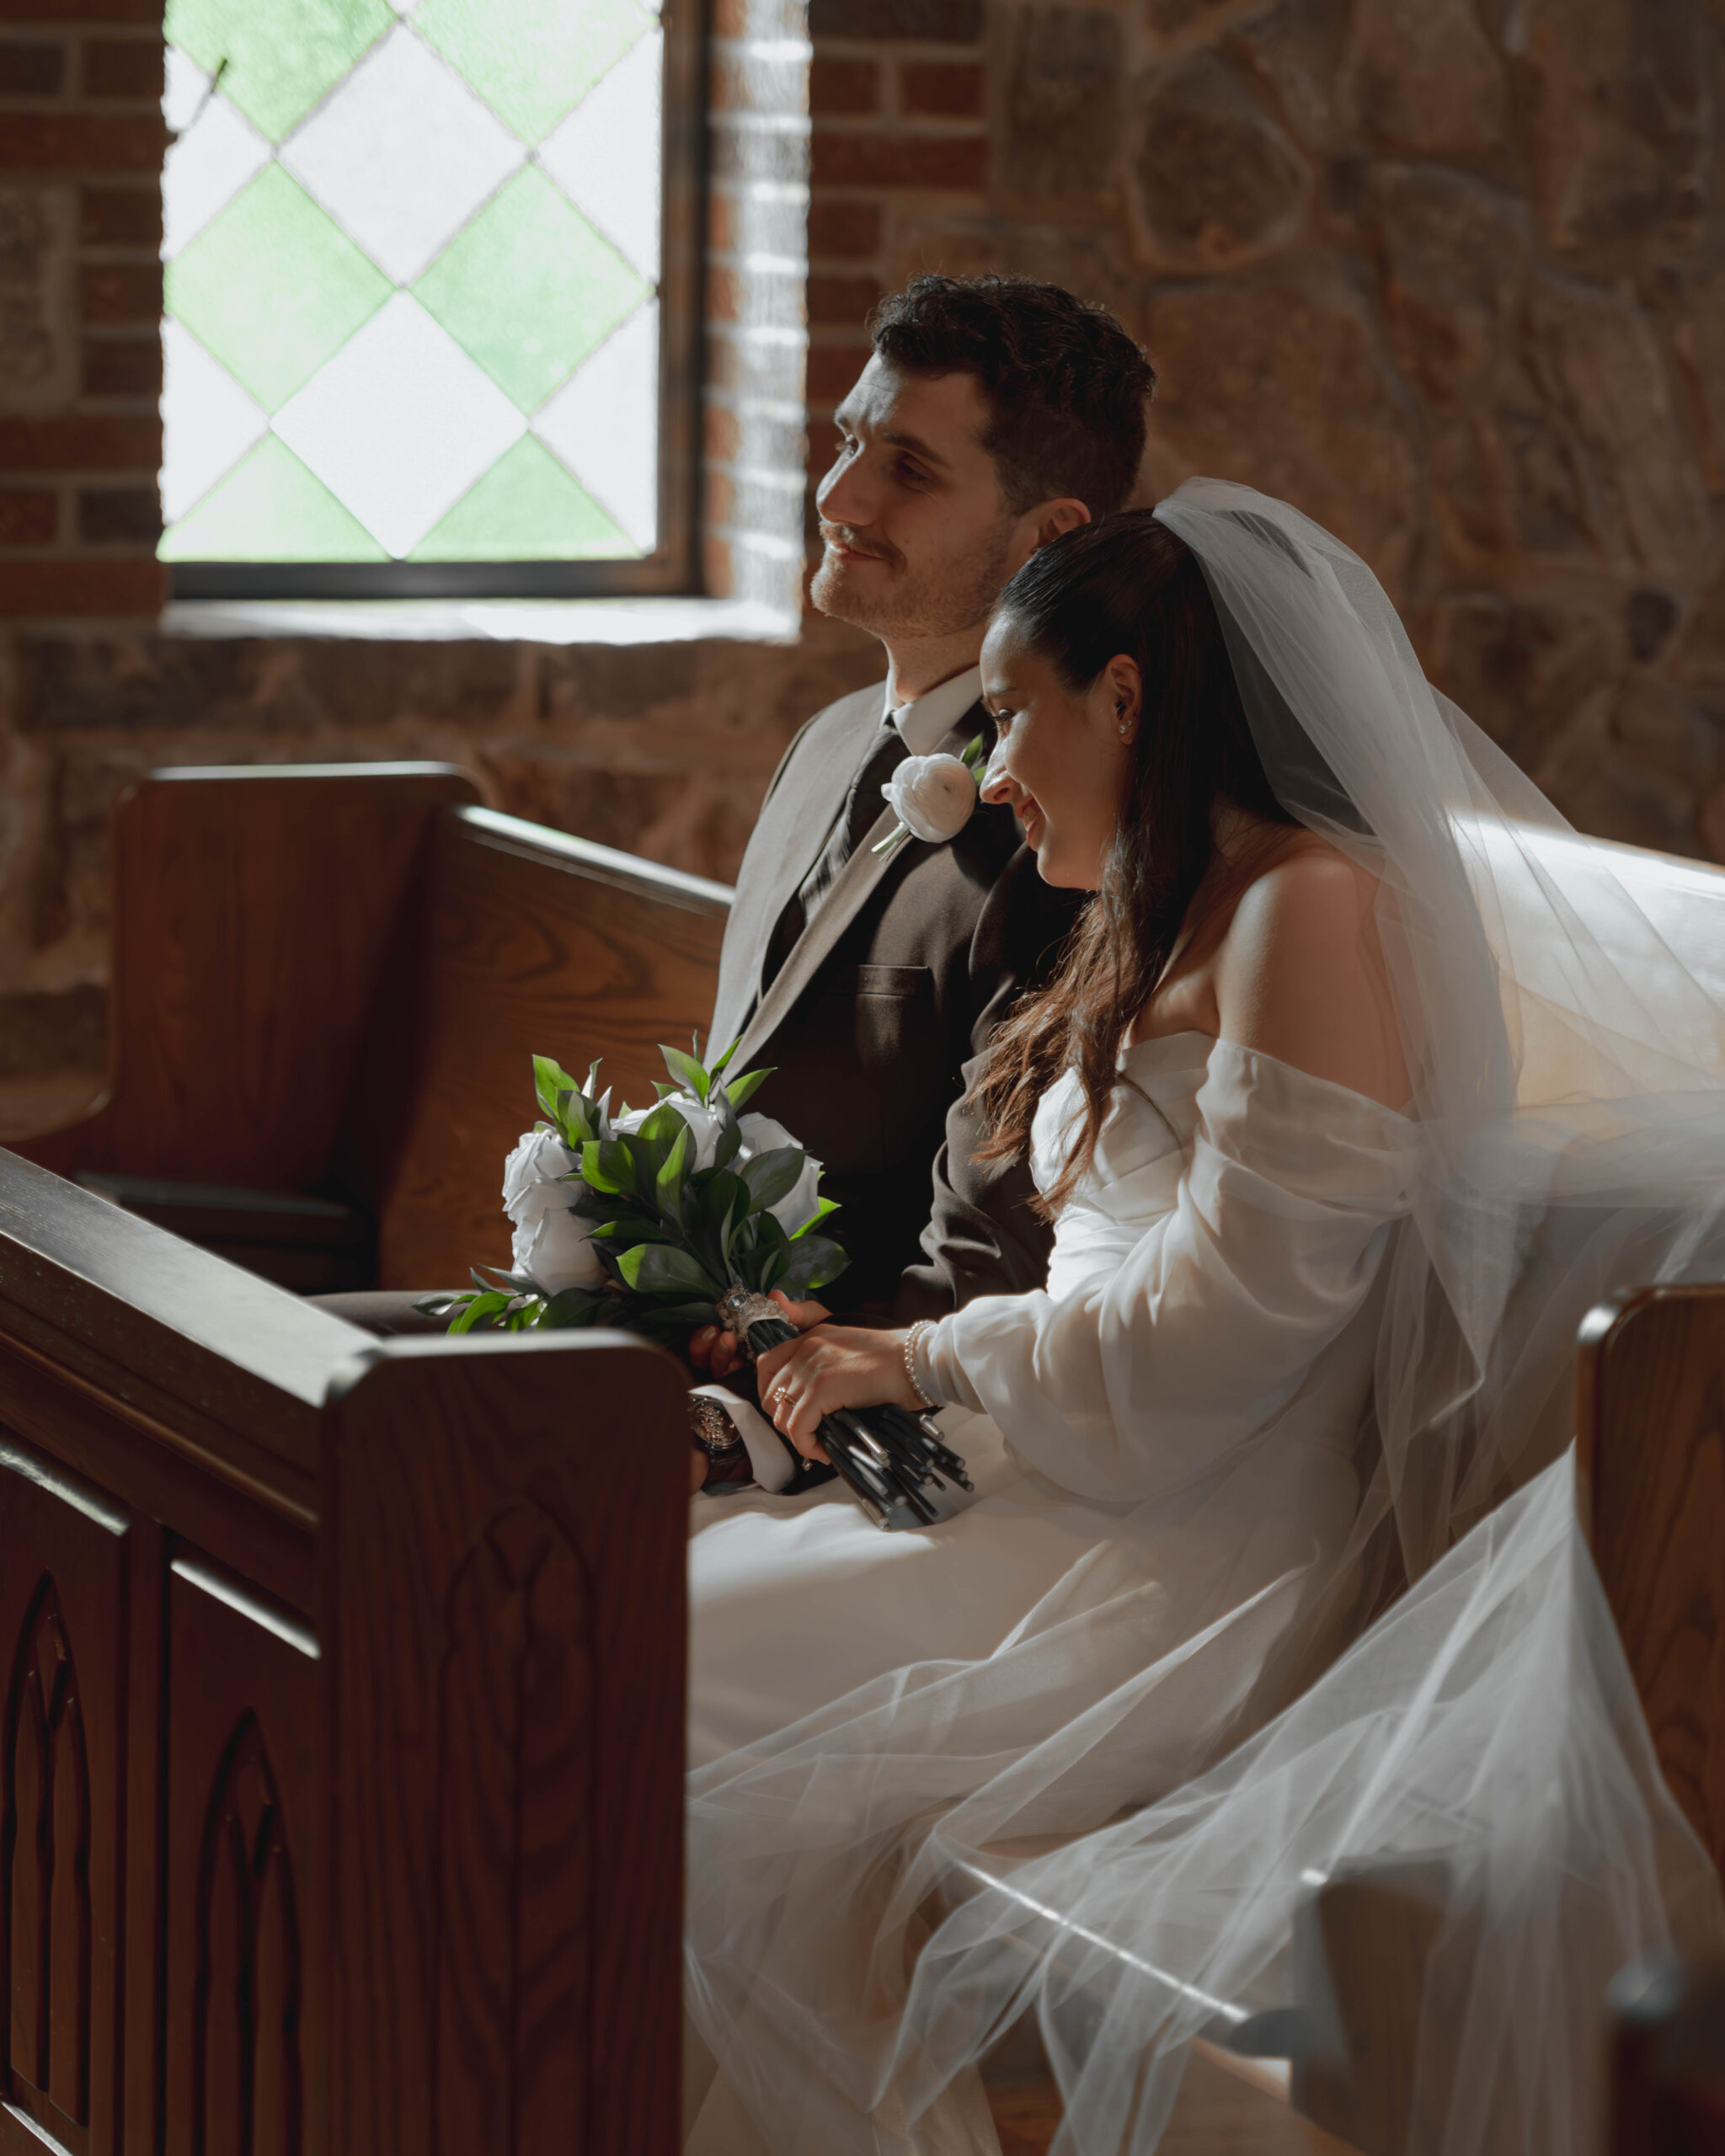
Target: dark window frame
673, 569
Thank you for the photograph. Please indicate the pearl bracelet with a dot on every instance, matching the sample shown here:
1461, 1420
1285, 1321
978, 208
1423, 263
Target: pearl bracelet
913, 1341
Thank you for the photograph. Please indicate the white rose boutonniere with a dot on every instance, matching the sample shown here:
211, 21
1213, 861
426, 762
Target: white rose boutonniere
933, 797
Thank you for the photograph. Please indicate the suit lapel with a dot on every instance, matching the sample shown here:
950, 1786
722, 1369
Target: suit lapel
795, 818
856, 881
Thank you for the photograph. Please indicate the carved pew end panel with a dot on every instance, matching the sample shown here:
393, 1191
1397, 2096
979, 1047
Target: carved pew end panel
507, 1642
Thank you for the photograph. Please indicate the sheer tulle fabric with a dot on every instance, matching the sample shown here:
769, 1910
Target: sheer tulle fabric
1564, 1020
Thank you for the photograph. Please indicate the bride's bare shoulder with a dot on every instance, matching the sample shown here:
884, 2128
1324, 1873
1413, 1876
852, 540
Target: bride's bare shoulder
1301, 974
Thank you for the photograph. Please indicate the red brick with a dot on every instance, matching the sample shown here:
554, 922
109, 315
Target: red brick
121, 291
91, 587
923, 162
120, 217
28, 517
103, 442
722, 437
832, 369
83, 142
721, 222
844, 86
721, 499
75, 12
122, 366
123, 68
716, 574
932, 90
130, 516
35, 68
850, 229
722, 295
840, 299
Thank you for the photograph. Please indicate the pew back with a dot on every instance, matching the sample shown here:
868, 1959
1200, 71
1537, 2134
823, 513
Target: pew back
340, 1764
330, 980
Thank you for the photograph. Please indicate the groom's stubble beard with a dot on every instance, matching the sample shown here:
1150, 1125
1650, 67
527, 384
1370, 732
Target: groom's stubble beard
913, 605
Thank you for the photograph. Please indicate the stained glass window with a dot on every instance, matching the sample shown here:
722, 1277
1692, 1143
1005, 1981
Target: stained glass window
413, 281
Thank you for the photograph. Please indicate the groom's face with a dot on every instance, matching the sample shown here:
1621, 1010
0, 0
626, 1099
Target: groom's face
916, 537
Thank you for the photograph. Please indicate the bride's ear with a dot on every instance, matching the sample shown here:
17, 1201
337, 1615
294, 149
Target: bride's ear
1121, 686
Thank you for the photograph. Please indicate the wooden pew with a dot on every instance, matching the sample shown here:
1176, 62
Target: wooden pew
341, 1757
326, 982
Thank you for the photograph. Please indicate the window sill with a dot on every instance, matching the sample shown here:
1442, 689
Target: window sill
498, 620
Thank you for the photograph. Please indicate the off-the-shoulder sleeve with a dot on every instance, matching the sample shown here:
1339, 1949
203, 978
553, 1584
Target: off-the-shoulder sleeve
1138, 1383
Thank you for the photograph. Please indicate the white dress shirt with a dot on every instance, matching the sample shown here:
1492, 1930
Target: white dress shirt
922, 721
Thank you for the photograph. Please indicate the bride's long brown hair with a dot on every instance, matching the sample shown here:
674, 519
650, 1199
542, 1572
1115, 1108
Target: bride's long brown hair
1125, 585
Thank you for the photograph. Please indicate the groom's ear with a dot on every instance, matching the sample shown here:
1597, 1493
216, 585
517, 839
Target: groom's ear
1048, 521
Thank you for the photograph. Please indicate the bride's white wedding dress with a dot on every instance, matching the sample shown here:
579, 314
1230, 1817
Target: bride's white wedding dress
1177, 1419
1239, 1599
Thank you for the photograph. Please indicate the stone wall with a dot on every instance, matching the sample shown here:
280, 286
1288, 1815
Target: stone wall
1450, 273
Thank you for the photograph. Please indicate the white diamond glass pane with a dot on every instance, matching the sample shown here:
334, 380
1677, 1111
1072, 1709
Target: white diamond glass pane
208, 420
218, 154
454, 241
604, 156
399, 424
603, 424
401, 155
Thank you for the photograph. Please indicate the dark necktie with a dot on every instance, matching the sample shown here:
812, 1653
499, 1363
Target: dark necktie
863, 807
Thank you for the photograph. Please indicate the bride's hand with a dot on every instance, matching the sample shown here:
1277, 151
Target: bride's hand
721, 1353
838, 1366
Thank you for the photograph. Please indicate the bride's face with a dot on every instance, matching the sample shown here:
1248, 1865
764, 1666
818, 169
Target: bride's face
1062, 757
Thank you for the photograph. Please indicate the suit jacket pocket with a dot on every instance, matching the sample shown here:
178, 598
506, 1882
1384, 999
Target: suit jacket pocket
901, 981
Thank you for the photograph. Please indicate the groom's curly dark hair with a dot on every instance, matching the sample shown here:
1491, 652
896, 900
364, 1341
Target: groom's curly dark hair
1067, 385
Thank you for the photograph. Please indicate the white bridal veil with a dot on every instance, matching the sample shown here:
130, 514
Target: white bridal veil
1564, 1020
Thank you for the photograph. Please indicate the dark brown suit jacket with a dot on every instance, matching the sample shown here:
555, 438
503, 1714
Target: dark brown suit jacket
883, 1002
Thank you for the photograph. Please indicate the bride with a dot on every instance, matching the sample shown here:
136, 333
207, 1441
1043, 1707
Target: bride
1362, 1079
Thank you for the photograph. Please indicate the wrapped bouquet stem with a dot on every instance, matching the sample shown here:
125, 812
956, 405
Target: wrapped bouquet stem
688, 1214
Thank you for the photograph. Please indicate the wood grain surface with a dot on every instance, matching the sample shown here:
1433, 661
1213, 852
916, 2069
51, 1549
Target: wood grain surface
507, 1615
253, 911
525, 943
1650, 1423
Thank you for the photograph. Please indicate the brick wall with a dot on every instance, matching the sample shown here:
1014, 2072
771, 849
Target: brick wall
1449, 274
81, 144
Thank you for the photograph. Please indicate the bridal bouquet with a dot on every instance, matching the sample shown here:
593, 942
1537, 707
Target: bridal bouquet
684, 1214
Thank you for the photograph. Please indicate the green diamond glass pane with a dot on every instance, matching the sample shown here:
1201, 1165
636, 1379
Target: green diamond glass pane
274, 287
530, 60
269, 509
281, 55
527, 508
529, 289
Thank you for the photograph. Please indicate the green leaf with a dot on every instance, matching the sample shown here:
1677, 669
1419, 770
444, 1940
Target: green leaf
607, 1164
655, 1268
718, 1068
440, 1305
481, 1313
813, 1260
693, 1078
745, 1087
772, 1176
823, 1209
572, 1306
549, 1080
671, 1175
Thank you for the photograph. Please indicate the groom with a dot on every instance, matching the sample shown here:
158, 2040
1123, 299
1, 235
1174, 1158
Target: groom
994, 414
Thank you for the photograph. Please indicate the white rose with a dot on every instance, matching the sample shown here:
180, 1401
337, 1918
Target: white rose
530, 1187
798, 1206
703, 1126
555, 1250
932, 797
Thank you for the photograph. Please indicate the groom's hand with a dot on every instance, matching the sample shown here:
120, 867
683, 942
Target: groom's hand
720, 1353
